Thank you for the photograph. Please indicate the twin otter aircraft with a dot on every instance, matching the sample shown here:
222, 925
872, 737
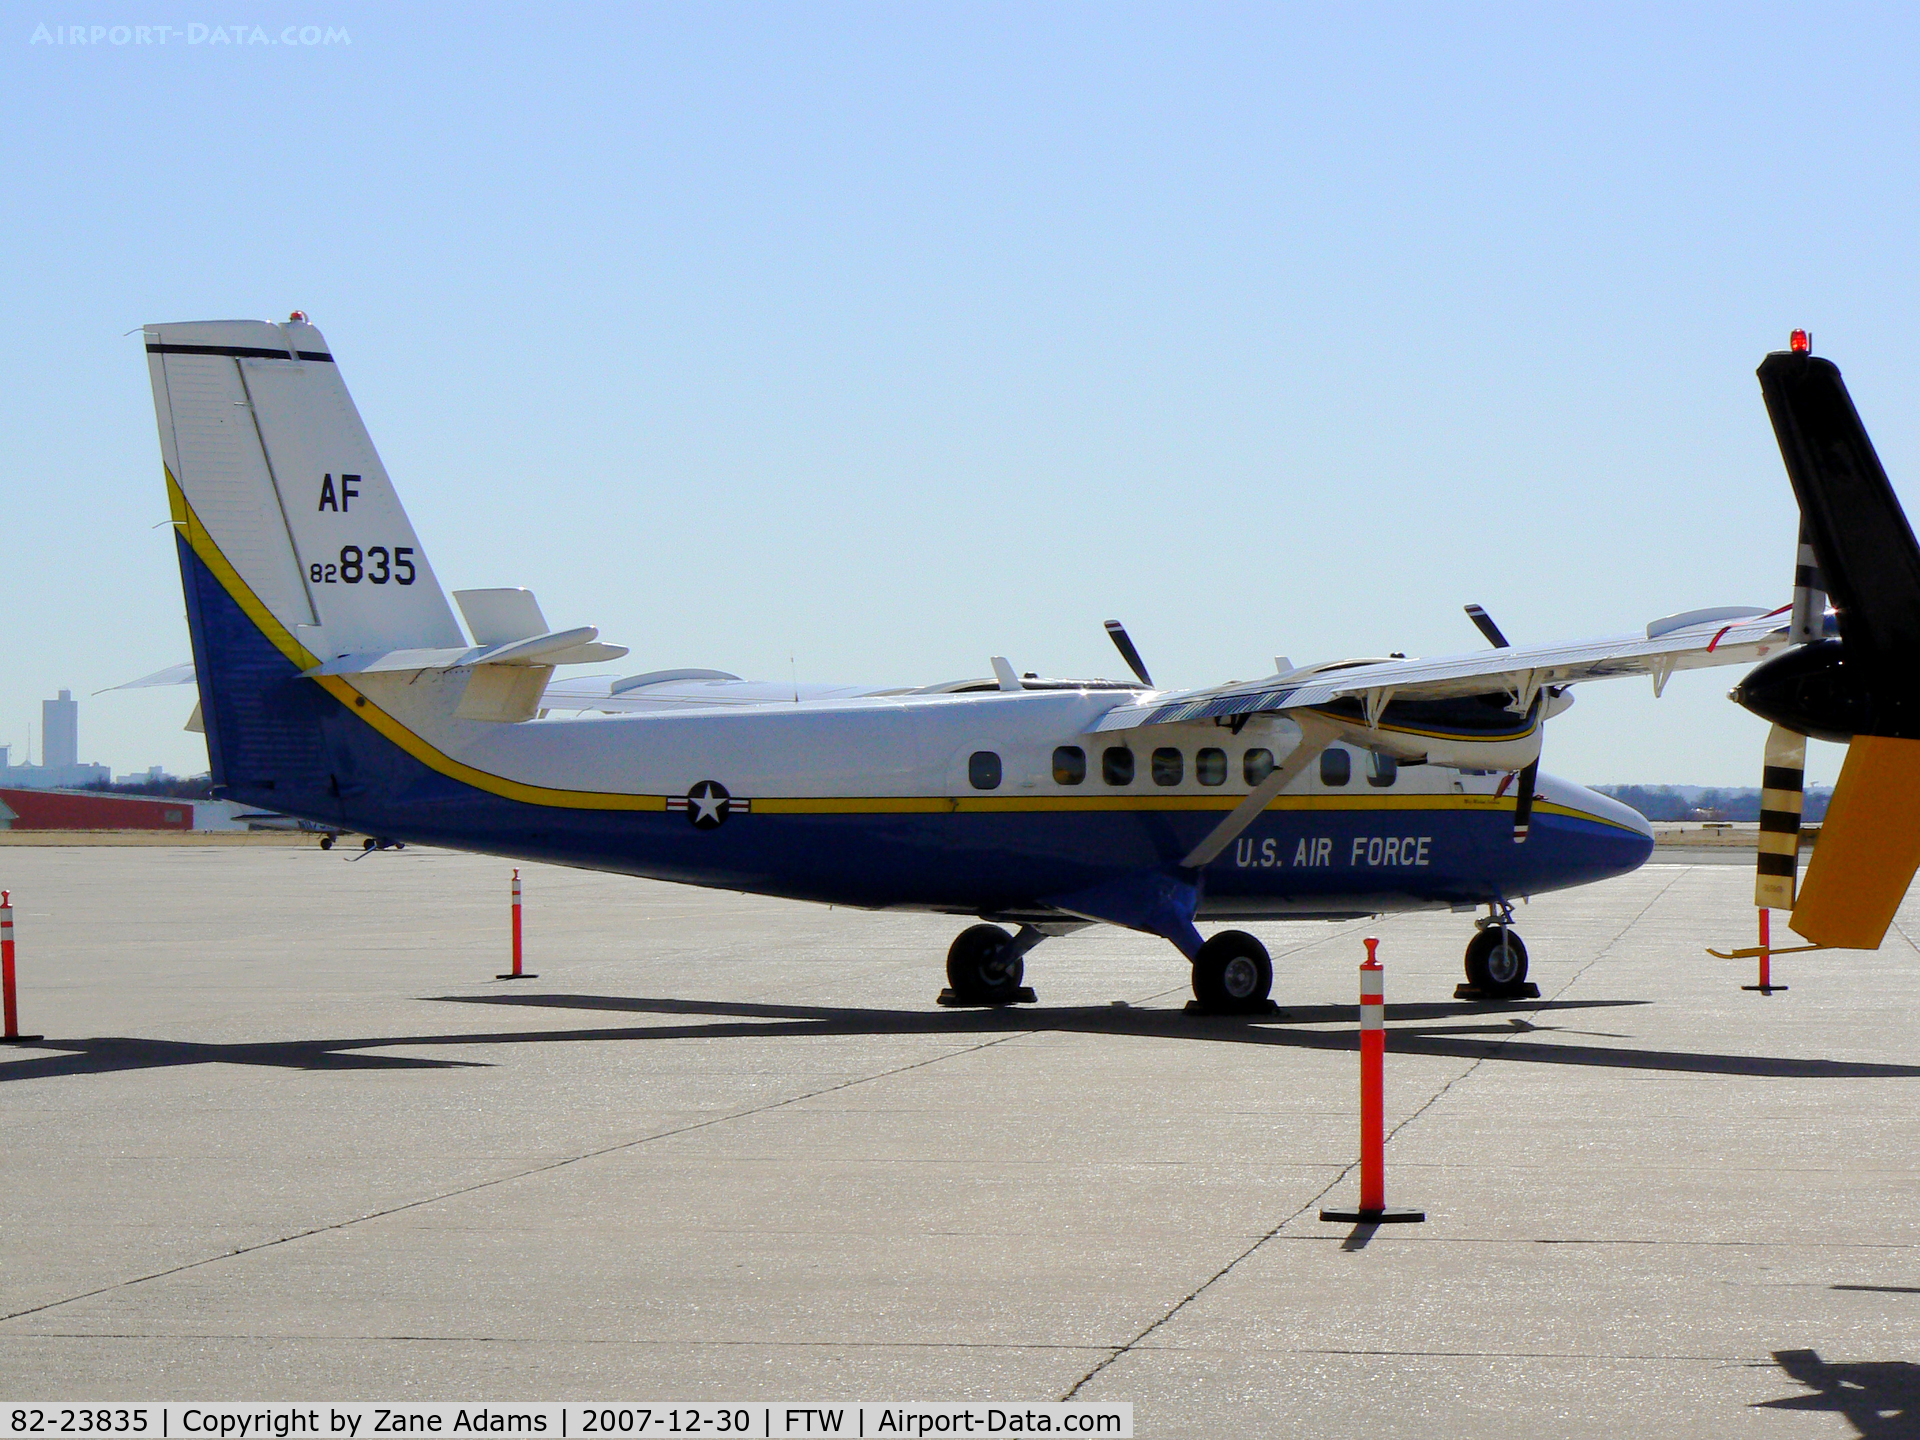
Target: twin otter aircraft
336, 684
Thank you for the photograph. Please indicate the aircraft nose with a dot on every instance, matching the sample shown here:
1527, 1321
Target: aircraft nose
1620, 837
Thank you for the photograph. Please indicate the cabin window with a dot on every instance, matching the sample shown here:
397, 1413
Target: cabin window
983, 769
1069, 764
1116, 765
1381, 769
1210, 766
1256, 766
1169, 766
1336, 766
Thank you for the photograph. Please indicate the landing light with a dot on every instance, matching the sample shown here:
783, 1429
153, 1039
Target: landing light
1801, 342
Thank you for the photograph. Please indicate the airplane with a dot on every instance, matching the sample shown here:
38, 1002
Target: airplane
1856, 680
336, 685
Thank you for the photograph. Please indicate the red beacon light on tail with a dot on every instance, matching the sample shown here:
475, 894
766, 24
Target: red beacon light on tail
1800, 342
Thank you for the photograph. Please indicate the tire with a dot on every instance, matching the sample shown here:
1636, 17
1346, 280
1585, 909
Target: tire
977, 973
1232, 974
1489, 969
326, 842
369, 843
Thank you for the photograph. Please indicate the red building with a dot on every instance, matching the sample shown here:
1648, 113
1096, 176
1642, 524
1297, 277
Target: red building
90, 810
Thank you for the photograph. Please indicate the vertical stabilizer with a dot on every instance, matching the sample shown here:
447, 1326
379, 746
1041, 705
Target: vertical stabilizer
269, 456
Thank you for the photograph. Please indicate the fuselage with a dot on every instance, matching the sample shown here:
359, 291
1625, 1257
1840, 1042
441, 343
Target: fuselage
980, 803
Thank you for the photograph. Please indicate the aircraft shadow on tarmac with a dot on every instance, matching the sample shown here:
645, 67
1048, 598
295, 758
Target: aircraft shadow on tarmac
1879, 1398
1453, 1031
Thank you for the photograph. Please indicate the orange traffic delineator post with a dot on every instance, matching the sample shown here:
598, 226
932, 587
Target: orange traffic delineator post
9, 1001
516, 973
1766, 985
1373, 1129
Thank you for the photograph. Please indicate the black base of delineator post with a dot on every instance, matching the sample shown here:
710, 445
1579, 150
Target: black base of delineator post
523, 975
1764, 989
1023, 996
1389, 1216
20, 1039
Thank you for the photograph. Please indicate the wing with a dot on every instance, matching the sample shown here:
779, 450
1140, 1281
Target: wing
1681, 642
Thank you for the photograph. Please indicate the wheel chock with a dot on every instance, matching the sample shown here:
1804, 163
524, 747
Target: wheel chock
1463, 991
1023, 996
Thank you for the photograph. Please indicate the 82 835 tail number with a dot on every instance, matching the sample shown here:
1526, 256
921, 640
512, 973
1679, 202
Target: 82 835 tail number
376, 565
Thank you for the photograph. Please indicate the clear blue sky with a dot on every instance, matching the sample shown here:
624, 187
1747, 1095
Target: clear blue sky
890, 338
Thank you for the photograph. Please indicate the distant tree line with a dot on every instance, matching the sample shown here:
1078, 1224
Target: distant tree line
1666, 802
196, 787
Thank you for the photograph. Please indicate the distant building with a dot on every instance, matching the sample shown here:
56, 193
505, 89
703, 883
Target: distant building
91, 810
60, 732
59, 752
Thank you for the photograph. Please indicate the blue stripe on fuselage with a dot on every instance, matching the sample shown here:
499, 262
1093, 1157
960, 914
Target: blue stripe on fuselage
280, 742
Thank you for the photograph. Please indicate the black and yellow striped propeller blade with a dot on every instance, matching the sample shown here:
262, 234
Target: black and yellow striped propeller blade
1782, 787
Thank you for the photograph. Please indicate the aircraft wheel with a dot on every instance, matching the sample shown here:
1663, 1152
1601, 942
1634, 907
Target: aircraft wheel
977, 973
1232, 974
369, 843
1497, 961
326, 842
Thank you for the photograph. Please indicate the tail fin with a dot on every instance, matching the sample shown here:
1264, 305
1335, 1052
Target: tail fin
1867, 557
294, 549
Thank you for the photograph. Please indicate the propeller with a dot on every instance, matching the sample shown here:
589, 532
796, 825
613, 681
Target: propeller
1530, 775
1484, 623
1862, 689
1124, 644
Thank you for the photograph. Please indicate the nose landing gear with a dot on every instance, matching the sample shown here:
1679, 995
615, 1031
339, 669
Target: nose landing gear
1496, 960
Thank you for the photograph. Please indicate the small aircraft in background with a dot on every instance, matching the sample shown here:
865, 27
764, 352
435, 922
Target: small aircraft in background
337, 685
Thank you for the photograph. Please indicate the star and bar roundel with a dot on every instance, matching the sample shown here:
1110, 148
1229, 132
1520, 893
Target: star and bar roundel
707, 805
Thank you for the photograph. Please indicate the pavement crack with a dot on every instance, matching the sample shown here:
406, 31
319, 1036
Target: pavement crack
1313, 1203
533, 1170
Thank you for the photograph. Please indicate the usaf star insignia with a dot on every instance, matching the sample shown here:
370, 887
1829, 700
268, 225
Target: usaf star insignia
708, 805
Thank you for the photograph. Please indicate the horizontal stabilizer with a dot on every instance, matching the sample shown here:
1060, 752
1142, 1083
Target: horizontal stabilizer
564, 647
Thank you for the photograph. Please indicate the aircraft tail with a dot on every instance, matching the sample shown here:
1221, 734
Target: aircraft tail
1865, 687
294, 549
1850, 518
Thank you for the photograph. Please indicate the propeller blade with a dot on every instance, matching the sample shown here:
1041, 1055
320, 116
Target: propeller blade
1121, 642
1523, 801
1484, 623
1782, 779
1869, 847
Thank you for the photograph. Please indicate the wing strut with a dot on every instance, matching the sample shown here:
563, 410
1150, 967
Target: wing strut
1315, 736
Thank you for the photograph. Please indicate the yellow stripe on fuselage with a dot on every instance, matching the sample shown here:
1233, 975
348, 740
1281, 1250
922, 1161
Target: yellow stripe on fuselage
438, 760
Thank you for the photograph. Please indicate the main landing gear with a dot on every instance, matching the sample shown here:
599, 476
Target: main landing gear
1497, 959
1232, 975
985, 966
